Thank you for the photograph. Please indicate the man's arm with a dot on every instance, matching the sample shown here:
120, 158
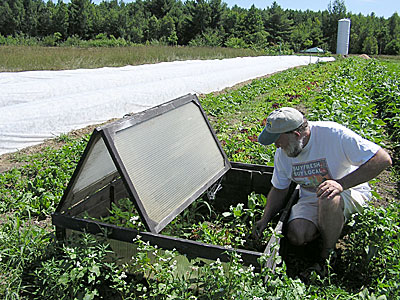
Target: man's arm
367, 171
275, 202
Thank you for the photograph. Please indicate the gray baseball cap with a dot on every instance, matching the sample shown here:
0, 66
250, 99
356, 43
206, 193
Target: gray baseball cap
281, 120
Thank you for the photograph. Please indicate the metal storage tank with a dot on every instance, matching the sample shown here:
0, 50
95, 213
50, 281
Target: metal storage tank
343, 37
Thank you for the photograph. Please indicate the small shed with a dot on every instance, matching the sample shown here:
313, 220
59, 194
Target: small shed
313, 50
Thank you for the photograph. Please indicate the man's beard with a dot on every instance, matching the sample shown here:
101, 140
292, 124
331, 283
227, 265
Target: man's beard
294, 147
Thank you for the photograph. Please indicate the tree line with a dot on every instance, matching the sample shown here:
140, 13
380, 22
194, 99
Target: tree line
198, 23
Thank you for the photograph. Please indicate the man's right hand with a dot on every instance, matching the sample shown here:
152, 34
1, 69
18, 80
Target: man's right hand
259, 228
275, 202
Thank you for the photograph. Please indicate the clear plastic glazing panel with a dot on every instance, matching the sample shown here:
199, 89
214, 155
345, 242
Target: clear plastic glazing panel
168, 158
97, 166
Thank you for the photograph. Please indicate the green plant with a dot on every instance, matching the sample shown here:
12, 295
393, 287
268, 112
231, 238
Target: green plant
124, 214
22, 242
212, 280
200, 221
372, 249
346, 99
82, 268
35, 188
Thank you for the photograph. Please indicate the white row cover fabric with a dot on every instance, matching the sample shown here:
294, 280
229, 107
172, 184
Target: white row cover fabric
37, 105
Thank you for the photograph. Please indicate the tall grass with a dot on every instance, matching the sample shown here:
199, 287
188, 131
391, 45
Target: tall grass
24, 58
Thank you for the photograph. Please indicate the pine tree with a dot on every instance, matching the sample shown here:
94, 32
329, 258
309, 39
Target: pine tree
59, 19
278, 25
79, 17
12, 14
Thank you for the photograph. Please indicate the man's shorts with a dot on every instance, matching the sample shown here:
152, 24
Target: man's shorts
307, 207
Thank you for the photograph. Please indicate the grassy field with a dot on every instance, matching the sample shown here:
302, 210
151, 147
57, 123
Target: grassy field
24, 58
362, 94
27, 58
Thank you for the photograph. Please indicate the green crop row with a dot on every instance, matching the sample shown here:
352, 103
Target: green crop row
34, 189
239, 116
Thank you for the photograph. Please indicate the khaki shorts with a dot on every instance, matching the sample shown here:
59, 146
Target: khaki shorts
307, 207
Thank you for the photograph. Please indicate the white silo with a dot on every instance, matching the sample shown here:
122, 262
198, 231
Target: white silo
343, 37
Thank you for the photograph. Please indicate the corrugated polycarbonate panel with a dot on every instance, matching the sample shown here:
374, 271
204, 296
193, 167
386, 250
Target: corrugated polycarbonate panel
169, 158
97, 166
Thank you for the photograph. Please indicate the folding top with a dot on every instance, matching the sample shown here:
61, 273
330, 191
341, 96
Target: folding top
166, 156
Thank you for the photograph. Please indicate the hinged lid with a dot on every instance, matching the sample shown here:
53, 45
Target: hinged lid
167, 156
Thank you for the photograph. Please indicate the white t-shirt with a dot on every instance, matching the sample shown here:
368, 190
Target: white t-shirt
332, 152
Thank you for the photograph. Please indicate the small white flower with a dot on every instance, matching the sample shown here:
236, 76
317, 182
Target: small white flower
134, 219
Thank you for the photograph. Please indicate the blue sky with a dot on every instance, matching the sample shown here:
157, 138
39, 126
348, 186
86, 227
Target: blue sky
381, 8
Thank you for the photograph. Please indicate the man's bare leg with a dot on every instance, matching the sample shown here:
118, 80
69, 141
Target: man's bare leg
330, 221
301, 231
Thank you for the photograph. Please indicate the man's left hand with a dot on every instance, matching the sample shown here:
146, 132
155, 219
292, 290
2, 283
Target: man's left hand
329, 189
